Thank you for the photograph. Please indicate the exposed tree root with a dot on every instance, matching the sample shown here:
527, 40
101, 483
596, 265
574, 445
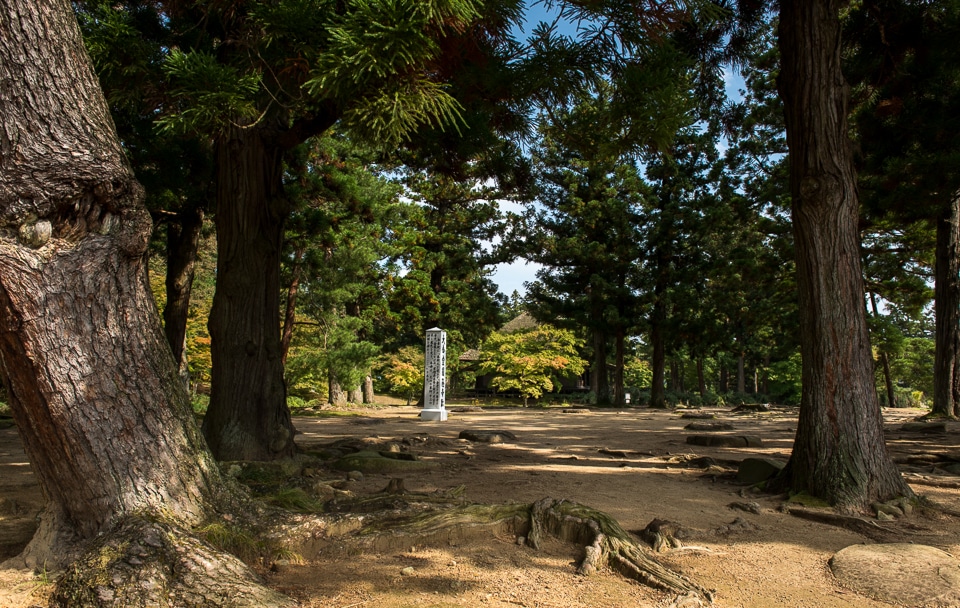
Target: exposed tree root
143, 562
867, 527
933, 482
604, 541
149, 563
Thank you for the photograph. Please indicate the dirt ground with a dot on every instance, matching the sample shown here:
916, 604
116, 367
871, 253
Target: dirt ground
643, 472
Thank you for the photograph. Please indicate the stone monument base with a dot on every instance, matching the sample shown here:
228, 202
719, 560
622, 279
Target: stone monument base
428, 414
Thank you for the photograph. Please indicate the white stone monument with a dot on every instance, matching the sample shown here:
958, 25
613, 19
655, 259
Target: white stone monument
435, 376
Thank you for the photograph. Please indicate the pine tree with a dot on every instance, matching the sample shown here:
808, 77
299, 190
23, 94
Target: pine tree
903, 59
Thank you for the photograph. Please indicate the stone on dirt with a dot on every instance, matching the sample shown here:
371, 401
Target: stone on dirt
924, 427
725, 441
709, 426
755, 470
900, 573
488, 436
752, 407
698, 415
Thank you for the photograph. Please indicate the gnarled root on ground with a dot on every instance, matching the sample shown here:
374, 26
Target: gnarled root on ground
150, 563
605, 542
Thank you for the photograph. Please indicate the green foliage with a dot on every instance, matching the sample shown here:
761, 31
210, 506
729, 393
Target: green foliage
637, 372
334, 247
784, 379
199, 402
531, 361
441, 264
212, 94
911, 367
404, 371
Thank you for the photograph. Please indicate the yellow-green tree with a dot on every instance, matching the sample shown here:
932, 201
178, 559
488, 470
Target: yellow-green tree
404, 370
532, 361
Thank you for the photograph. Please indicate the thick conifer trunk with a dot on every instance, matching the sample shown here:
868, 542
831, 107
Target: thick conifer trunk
839, 453
946, 367
598, 373
248, 418
658, 362
183, 241
94, 390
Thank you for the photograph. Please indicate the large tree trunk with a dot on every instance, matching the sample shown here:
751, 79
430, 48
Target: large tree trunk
839, 453
248, 418
946, 367
101, 412
92, 384
598, 374
183, 240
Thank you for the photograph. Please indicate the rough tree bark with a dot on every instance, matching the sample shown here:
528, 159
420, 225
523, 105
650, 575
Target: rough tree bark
946, 367
599, 381
839, 453
93, 387
248, 418
183, 240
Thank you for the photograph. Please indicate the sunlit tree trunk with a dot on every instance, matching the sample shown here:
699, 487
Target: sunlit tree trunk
839, 453
93, 387
248, 418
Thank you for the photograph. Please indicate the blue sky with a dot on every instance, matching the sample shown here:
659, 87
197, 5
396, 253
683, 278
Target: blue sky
510, 277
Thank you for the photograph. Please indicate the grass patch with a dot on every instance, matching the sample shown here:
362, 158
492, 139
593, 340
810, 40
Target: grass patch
296, 500
806, 500
232, 539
